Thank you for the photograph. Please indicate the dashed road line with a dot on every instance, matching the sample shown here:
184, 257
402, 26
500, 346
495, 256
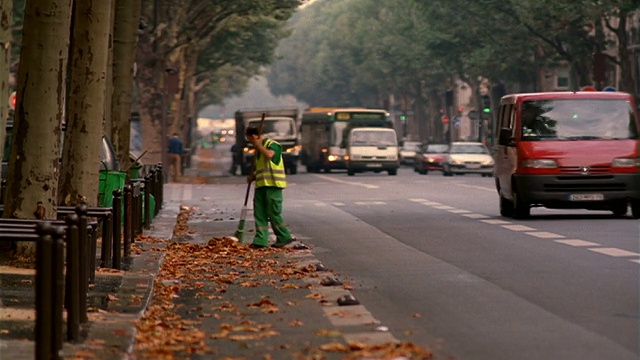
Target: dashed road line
577, 242
615, 252
545, 235
370, 203
595, 247
495, 221
329, 178
476, 216
516, 227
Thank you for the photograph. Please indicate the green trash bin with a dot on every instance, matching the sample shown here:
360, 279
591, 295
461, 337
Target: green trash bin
134, 171
109, 181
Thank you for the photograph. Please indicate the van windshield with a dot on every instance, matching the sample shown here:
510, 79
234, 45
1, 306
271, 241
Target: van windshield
373, 138
578, 119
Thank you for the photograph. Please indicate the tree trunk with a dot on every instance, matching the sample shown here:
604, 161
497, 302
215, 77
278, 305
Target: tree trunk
82, 146
6, 16
107, 121
125, 37
35, 149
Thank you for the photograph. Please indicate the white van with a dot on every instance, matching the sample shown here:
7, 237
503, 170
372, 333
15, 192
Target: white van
372, 149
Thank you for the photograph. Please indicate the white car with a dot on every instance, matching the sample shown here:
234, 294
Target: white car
408, 152
468, 158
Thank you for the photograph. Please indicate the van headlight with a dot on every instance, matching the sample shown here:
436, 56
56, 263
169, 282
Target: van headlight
625, 162
539, 163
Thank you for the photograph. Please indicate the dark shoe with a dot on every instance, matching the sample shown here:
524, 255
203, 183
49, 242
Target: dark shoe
257, 246
282, 244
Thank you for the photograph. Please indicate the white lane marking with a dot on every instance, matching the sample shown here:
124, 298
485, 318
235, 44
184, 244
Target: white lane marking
495, 222
637, 261
459, 211
545, 235
576, 242
476, 216
320, 204
329, 178
518, 228
443, 207
370, 203
615, 252
338, 204
461, 184
418, 200
431, 203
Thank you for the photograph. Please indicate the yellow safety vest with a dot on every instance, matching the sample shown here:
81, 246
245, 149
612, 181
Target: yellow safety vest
269, 173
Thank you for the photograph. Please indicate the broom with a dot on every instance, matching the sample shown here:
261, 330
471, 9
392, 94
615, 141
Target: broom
243, 214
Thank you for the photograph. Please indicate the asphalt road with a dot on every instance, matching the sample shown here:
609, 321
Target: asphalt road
431, 258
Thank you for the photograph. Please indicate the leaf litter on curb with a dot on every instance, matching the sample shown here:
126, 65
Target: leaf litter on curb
162, 333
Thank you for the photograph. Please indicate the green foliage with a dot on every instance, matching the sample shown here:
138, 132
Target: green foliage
243, 38
355, 51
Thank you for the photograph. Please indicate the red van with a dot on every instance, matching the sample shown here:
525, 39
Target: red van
567, 150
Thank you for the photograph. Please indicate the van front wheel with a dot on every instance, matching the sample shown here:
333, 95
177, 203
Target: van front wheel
635, 209
521, 209
506, 207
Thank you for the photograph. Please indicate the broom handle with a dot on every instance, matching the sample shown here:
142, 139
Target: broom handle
253, 166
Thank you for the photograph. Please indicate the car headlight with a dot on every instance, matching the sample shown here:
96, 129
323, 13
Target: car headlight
540, 163
333, 157
294, 150
488, 162
457, 162
625, 162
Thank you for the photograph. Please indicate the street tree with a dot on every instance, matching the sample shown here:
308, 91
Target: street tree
125, 37
6, 22
35, 151
177, 34
84, 122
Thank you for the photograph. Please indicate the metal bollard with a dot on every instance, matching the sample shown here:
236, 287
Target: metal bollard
128, 209
117, 228
147, 202
72, 282
81, 211
44, 286
160, 196
57, 295
138, 206
107, 241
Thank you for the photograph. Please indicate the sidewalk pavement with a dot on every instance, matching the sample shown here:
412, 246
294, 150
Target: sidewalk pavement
245, 304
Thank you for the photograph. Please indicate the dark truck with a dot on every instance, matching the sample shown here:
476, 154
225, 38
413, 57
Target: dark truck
279, 125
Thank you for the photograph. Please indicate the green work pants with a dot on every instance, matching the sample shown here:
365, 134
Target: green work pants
267, 208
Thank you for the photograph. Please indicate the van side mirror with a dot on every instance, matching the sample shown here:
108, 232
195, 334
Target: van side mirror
505, 138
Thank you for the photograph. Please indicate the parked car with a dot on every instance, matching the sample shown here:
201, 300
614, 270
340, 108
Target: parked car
430, 158
468, 158
408, 152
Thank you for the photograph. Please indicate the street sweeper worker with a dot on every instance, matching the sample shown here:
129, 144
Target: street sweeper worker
270, 181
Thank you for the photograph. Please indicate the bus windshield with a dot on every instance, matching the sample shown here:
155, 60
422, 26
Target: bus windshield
578, 119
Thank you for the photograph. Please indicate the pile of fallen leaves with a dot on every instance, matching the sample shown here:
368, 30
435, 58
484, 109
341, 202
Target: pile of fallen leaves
162, 333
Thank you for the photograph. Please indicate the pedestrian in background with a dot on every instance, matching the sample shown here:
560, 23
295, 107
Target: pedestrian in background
270, 181
176, 148
235, 154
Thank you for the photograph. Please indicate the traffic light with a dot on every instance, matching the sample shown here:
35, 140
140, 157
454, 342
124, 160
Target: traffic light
403, 117
486, 104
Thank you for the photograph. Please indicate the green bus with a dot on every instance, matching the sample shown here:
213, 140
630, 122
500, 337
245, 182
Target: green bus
324, 131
